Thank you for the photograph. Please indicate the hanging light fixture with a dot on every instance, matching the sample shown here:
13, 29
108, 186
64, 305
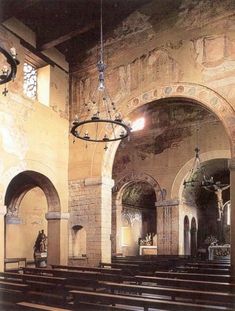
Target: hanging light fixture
100, 111
9, 69
198, 175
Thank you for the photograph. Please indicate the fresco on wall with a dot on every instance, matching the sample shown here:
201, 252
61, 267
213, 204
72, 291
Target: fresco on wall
13, 137
139, 194
167, 125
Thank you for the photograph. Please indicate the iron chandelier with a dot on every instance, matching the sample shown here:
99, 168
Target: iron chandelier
100, 110
9, 70
198, 174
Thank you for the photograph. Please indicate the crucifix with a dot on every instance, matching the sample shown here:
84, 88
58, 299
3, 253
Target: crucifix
218, 188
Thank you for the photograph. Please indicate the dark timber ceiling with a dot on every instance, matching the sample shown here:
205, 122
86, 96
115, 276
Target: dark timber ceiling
71, 26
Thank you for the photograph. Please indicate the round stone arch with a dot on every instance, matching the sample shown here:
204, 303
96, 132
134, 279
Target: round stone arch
192, 92
117, 195
18, 186
133, 177
25, 181
177, 186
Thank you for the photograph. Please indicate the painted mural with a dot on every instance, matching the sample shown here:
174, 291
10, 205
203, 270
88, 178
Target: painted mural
167, 125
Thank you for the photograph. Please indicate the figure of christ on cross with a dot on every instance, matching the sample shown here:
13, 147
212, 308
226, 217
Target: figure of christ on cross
218, 188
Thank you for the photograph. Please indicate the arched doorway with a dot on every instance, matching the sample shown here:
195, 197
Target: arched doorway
188, 92
29, 196
138, 215
193, 237
186, 236
134, 197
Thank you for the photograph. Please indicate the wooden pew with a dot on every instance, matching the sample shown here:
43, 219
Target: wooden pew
31, 278
195, 276
53, 289
14, 260
192, 284
84, 268
119, 265
208, 265
203, 270
146, 303
89, 278
8, 285
10, 293
24, 305
193, 295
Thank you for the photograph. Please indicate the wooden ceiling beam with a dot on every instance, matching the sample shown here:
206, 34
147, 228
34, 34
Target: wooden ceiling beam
63, 38
12, 8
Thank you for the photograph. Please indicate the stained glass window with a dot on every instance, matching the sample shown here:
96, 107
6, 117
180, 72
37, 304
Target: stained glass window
30, 81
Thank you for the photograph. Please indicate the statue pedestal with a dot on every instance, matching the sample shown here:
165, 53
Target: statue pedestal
40, 259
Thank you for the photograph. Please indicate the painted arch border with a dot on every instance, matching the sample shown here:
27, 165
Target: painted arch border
198, 93
202, 95
131, 178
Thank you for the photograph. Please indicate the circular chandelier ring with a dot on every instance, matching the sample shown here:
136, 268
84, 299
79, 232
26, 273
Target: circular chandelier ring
13, 65
79, 124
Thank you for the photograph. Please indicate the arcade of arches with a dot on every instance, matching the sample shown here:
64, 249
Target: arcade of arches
93, 203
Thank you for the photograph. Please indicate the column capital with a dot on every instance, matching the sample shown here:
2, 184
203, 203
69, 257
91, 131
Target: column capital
57, 215
231, 164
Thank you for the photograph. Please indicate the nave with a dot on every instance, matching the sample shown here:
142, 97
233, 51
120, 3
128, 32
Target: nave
128, 283
117, 143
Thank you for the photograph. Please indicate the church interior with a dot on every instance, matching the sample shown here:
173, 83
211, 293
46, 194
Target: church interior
121, 198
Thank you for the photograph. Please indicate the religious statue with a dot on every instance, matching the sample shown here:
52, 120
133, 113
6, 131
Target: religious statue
218, 188
40, 245
148, 240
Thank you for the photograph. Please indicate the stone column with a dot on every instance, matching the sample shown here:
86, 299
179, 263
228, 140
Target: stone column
106, 210
57, 238
90, 207
232, 226
167, 227
3, 211
116, 227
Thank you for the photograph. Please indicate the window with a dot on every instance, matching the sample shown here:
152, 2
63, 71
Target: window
138, 124
30, 81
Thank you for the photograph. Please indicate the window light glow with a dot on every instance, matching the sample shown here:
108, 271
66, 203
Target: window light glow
138, 124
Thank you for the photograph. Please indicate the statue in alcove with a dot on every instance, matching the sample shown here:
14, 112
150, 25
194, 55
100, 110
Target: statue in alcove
40, 245
40, 249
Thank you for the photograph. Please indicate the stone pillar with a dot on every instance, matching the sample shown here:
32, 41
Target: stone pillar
106, 210
116, 227
3, 211
90, 207
232, 226
57, 238
167, 227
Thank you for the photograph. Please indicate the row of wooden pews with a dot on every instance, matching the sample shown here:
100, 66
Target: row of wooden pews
124, 287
